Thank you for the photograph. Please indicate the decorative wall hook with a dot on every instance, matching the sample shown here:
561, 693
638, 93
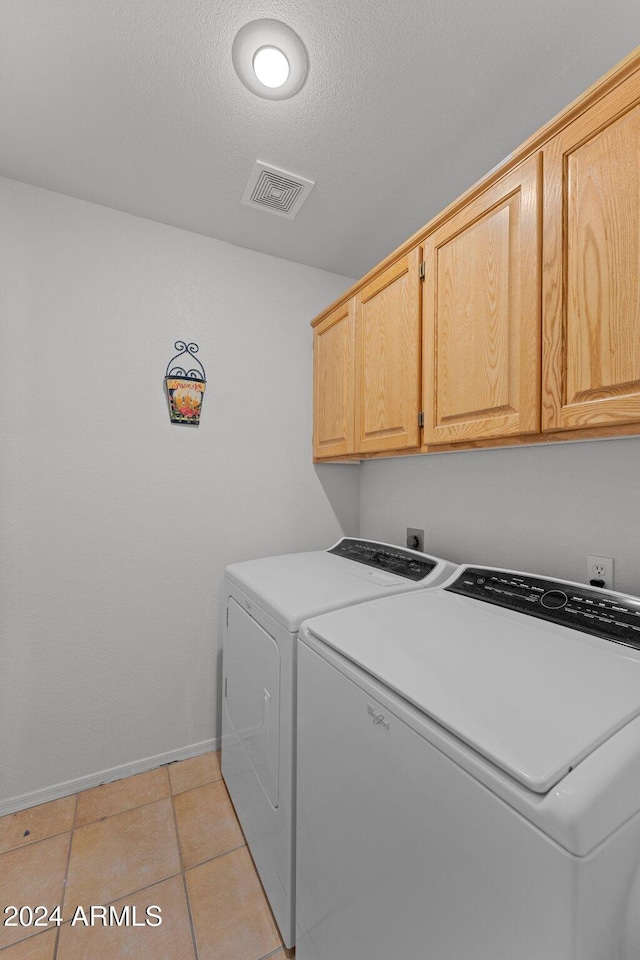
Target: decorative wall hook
185, 384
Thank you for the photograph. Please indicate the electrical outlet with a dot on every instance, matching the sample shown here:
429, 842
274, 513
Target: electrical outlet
600, 568
415, 539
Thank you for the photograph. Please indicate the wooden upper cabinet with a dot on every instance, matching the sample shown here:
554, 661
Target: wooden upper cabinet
591, 277
481, 376
527, 324
333, 383
388, 358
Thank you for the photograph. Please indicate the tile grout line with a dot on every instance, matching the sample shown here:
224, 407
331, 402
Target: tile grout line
49, 836
25, 846
216, 856
29, 937
197, 786
194, 942
107, 903
138, 806
66, 876
274, 953
133, 893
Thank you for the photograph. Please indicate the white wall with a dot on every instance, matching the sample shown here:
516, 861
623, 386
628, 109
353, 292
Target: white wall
540, 509
116, 525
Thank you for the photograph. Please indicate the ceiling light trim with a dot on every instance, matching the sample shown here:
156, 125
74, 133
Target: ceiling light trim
270, 33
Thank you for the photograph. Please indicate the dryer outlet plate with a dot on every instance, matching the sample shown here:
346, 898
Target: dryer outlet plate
415, 539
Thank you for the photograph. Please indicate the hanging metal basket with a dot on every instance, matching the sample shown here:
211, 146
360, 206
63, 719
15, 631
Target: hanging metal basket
185, 385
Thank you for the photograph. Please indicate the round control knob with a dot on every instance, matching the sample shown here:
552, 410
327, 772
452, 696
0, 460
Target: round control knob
554, 599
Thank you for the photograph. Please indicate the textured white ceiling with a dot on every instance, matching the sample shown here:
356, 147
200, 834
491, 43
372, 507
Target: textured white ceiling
134, 104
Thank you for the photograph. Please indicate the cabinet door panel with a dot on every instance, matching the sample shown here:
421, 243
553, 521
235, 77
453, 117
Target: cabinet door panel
333, 383
474, 317
388, 358
482, 315
591, 372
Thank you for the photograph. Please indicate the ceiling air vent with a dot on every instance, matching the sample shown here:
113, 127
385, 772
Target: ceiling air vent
276, 191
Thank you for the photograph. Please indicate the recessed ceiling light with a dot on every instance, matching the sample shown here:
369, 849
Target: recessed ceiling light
270, 59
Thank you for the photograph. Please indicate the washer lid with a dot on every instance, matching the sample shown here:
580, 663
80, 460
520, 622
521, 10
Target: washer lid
295, 586
532, 697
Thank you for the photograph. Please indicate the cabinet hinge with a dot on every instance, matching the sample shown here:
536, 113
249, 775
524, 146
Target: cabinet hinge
225, 687
421, 419
423, 269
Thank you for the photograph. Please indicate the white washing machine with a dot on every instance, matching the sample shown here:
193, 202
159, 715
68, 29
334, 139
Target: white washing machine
469, 774
265, 602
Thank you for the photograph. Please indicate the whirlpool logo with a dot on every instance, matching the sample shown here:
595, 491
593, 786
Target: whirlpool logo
378, 718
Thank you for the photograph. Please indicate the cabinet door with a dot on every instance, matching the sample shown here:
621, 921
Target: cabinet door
333, 383
591, 330
481, 373
388, 358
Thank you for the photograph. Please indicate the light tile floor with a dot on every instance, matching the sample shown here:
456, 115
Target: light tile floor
168, 838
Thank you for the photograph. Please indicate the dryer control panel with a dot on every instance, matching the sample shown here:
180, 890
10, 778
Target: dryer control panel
403, 563
571, 605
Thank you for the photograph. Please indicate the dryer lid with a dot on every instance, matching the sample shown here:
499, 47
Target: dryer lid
532, 697
295, 586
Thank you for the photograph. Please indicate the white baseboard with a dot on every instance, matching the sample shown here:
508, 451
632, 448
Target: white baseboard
54, 792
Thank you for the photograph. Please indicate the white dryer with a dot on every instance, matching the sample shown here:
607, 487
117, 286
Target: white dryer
265, 602
469, 774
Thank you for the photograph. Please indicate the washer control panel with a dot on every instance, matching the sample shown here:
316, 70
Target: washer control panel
591, 611
390, 559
